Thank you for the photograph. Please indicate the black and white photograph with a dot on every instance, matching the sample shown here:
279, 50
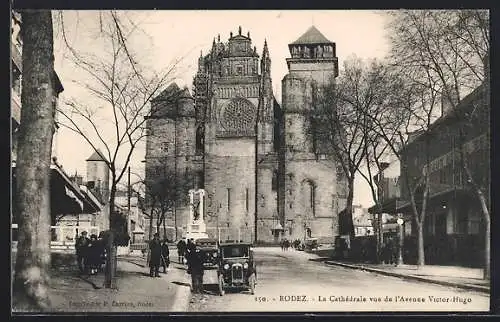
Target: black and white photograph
199, 161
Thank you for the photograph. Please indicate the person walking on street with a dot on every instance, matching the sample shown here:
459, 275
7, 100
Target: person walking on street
181, 250
195, 268
81, 247
155, 256
165, 255
93, 255
190, 248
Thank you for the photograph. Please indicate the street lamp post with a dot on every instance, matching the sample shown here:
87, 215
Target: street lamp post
400, 222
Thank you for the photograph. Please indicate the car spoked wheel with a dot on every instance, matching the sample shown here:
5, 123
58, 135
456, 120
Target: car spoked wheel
221, 286
252, 282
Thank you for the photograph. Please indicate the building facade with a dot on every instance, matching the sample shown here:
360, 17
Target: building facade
264, 179
71, 205
454, 223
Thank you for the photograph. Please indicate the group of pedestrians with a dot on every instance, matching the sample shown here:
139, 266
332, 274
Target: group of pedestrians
285, 244
90, 253
389, 251
159, 256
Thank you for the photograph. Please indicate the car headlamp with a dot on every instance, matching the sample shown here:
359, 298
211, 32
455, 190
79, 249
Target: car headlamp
245, 265
215, 254
226, 266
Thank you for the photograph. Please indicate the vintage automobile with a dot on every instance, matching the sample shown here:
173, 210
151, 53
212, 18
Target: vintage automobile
210, 254
237, 267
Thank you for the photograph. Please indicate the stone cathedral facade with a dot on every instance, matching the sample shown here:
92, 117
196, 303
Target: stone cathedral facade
258, 161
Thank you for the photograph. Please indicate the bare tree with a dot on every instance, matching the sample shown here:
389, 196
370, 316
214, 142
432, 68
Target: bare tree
452, 46
124, 87
162, 192
340, 121
30, 288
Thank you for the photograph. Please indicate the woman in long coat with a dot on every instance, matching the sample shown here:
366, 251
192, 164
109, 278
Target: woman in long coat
94, 253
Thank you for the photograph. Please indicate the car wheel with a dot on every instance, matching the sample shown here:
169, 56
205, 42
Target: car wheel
221, 286
252, 282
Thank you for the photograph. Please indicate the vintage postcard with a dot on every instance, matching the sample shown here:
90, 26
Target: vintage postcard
250, 161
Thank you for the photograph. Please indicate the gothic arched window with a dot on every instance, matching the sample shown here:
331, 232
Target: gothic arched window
311, 191
199, 139
274, 183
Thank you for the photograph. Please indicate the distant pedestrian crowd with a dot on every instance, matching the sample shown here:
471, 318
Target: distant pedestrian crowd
90, 253
296, 244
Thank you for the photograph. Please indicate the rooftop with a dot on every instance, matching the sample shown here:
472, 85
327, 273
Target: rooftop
312, 36
97, 156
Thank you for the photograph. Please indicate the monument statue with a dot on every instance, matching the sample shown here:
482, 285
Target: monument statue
196, 227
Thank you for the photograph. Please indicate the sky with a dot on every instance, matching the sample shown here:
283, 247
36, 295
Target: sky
166, 36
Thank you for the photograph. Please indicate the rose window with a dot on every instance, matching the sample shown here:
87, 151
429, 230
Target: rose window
238, 116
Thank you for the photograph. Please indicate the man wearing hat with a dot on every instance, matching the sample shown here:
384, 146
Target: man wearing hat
81, 246
155, 251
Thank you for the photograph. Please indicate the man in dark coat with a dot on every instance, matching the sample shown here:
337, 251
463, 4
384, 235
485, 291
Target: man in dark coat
190, 248
181, 250
81, 246
165, 255
195, 263
155, 256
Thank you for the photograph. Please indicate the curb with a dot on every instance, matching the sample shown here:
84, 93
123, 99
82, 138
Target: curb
413, 277
182, 295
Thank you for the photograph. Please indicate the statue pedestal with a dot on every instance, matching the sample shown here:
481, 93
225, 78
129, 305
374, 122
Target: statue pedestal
196, 230
196, 227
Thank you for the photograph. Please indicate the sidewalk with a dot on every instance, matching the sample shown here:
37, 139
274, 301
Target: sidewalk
135, 291
454, 276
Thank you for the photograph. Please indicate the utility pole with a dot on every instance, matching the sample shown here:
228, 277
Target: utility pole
129, 220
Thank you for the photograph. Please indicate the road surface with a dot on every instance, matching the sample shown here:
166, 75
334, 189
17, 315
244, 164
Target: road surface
291, 281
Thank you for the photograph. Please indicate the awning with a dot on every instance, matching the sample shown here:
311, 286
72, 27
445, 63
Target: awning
66, 197
388, 207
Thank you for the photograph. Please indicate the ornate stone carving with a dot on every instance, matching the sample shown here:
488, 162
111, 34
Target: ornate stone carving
238, 117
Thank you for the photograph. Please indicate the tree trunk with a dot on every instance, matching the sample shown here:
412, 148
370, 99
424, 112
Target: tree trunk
419, 220
110, 267
348, 207
486, 217
487, 247
164, 229
487, 233
31, 279
420, 244
380, 235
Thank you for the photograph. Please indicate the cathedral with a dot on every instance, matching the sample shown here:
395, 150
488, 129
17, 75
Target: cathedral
265, 175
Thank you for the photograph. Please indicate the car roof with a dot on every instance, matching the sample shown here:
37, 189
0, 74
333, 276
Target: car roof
205, 240
235, 244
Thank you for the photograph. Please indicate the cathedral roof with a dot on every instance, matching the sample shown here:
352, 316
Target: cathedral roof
171, 90
185, 93
97, 156
312, 36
